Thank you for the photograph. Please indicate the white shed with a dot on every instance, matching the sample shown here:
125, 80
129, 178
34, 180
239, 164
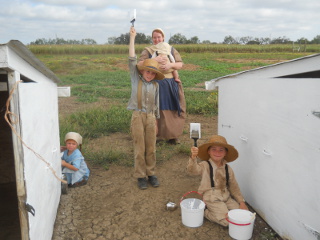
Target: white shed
30, 191
272, 116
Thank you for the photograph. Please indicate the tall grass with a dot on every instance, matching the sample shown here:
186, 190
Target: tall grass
182, 48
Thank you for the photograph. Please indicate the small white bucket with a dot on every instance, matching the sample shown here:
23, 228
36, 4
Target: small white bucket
192, 211
240, 224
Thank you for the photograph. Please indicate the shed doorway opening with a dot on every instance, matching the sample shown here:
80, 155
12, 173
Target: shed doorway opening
9, 210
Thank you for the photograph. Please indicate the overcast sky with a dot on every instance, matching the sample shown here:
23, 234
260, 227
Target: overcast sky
28, 20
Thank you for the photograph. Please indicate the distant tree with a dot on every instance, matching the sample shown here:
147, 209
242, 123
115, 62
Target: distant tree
315, 40
280, 40
265, 40
111, 40
302, 41
61, 41
177, 39
122, 39
141, 38
245, 40
253, 42
206, 42
230, 40
88, 41
193, 40
39, 41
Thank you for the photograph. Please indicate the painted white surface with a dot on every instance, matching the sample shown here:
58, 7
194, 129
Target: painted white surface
270, 121
40, 131
39, 126
64, 92
3, 55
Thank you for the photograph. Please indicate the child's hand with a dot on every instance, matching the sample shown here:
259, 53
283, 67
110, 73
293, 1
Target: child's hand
63, 148
162, 60
177, 79
243, 206
63, 163
133, 32
194, 152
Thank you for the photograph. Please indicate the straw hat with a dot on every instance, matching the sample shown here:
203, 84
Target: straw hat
73, 136
217, 140
158, 30
153, 66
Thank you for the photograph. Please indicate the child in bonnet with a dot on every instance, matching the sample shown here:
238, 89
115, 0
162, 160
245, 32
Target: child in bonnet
73, 165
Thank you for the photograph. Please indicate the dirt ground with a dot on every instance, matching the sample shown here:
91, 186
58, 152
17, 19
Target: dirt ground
112, 207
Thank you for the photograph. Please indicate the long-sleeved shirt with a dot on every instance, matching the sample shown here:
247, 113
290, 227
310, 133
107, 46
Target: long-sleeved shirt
150, 91
219, 176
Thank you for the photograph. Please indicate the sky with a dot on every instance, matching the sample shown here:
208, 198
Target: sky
213, 20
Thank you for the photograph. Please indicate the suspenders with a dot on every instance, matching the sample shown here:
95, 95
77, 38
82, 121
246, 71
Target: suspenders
211, 174
139, 94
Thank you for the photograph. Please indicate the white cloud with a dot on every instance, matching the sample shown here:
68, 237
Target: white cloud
207, 19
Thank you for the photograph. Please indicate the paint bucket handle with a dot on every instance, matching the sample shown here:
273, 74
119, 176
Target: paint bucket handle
238, 224
189, 193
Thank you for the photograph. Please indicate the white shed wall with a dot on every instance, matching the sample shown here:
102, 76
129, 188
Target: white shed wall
40, 131
270, 122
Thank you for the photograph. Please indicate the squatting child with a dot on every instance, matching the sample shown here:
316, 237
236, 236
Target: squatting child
73, 165
144, 103
218, 185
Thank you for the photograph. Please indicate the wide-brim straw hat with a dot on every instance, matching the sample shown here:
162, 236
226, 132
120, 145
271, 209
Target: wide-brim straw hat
73, 136
217, 140
153, 66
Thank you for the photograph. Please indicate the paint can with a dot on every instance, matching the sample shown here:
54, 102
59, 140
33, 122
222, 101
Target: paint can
192, 211
240, 224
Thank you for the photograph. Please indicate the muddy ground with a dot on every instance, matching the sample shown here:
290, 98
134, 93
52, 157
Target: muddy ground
112, 207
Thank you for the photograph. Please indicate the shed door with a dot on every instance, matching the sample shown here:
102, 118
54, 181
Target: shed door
39, 126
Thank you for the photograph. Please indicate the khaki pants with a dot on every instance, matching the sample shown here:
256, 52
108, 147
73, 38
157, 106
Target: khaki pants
218, 205
143, 131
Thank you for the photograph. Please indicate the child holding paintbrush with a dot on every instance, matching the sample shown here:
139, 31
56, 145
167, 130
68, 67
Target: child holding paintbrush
218, 185
144, 104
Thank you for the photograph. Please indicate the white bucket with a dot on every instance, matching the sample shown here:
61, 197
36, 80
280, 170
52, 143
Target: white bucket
192, 212
240, 224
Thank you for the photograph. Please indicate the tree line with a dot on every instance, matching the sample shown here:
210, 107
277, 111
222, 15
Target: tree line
61, 41
178, 38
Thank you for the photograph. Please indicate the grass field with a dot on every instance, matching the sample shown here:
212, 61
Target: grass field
101, 72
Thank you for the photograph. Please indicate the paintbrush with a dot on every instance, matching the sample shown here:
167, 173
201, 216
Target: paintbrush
133, 17
195, 132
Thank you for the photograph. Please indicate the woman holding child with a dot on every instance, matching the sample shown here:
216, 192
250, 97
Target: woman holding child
172, 100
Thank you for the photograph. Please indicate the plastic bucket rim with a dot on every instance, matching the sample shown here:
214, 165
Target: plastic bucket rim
250, 218
193, 210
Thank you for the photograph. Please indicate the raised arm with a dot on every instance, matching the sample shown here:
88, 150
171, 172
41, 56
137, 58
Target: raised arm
131, 43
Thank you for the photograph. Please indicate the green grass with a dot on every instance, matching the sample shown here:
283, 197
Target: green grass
97, 122
106, 157
96, 73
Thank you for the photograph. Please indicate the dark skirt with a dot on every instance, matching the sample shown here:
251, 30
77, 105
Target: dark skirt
172, 109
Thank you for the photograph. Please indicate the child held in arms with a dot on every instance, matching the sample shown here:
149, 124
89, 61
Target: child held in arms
218, 185
73, 165
144, 104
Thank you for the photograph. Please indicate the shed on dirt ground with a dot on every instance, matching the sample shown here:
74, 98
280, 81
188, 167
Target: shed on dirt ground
272, 116
30, 164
